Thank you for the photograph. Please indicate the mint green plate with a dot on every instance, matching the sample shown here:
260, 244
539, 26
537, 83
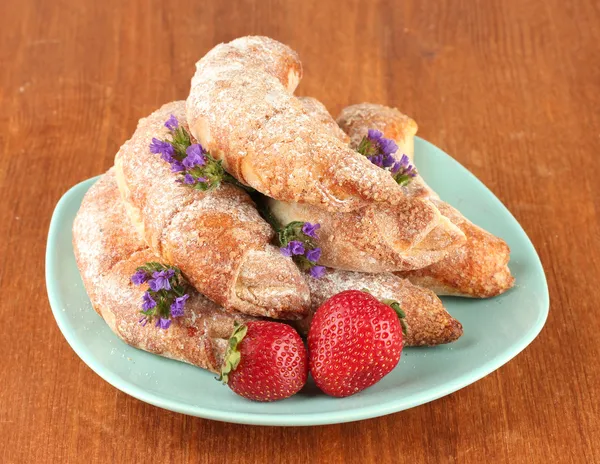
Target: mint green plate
495, 330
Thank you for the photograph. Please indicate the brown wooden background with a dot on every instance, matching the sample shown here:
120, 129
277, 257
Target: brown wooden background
510, 88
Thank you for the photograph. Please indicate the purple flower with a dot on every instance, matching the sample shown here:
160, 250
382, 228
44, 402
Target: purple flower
139, 277
148, 302
313, 255
163, 148
388, 161
317, 271
160, 280
189, 179
295, 247
178, 306
168, 157
404, 168
172, 123
176, 166
382, 146
374, 135
310, 229
377, 160
163, 323
387, 146
285, 251
195, 156
201, 180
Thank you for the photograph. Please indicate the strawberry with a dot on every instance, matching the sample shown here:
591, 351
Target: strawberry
353, 342
265, 361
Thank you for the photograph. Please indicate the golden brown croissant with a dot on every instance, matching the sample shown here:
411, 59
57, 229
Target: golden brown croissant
108, 251
216, 237
376, 238
242, 110
477, 269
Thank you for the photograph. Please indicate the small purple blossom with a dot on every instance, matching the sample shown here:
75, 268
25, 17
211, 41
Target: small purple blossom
379, 149
201, 180
313, 255
285, 251
160, 280
189, 179
374, 135
310, 229
387, 146
172, 123
168, 157
160, 147
404, 168
176, 166
295, 247
388, 161
178, 305
148, 302
195, 156
317, 271
377, 160
163, 323
139, 277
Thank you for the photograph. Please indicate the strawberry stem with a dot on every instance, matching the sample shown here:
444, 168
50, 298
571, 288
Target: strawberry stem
401, 314
232, 355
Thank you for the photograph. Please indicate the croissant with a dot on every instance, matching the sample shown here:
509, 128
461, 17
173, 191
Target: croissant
375, 238
427, 322
216, 237
477, 269
242, 110
108, 250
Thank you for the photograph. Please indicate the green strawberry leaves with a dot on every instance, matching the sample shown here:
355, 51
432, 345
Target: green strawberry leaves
232, 355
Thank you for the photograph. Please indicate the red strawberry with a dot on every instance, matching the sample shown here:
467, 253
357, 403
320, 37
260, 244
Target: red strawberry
354, 341
265, 361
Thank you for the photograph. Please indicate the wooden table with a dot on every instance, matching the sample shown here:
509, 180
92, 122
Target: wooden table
510, 88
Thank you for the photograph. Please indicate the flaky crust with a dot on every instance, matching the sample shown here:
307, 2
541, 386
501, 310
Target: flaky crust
477, 269
108, 250
319, 112
217, 238
242, 110
378, 237
428, 322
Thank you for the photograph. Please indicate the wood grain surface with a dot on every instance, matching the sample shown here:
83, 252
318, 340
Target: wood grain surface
510, 88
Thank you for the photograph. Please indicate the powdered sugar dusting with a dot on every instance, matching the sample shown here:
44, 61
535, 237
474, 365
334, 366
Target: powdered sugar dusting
479, 267
248, 118
108, 250
378, 237
318, 112
208, 235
